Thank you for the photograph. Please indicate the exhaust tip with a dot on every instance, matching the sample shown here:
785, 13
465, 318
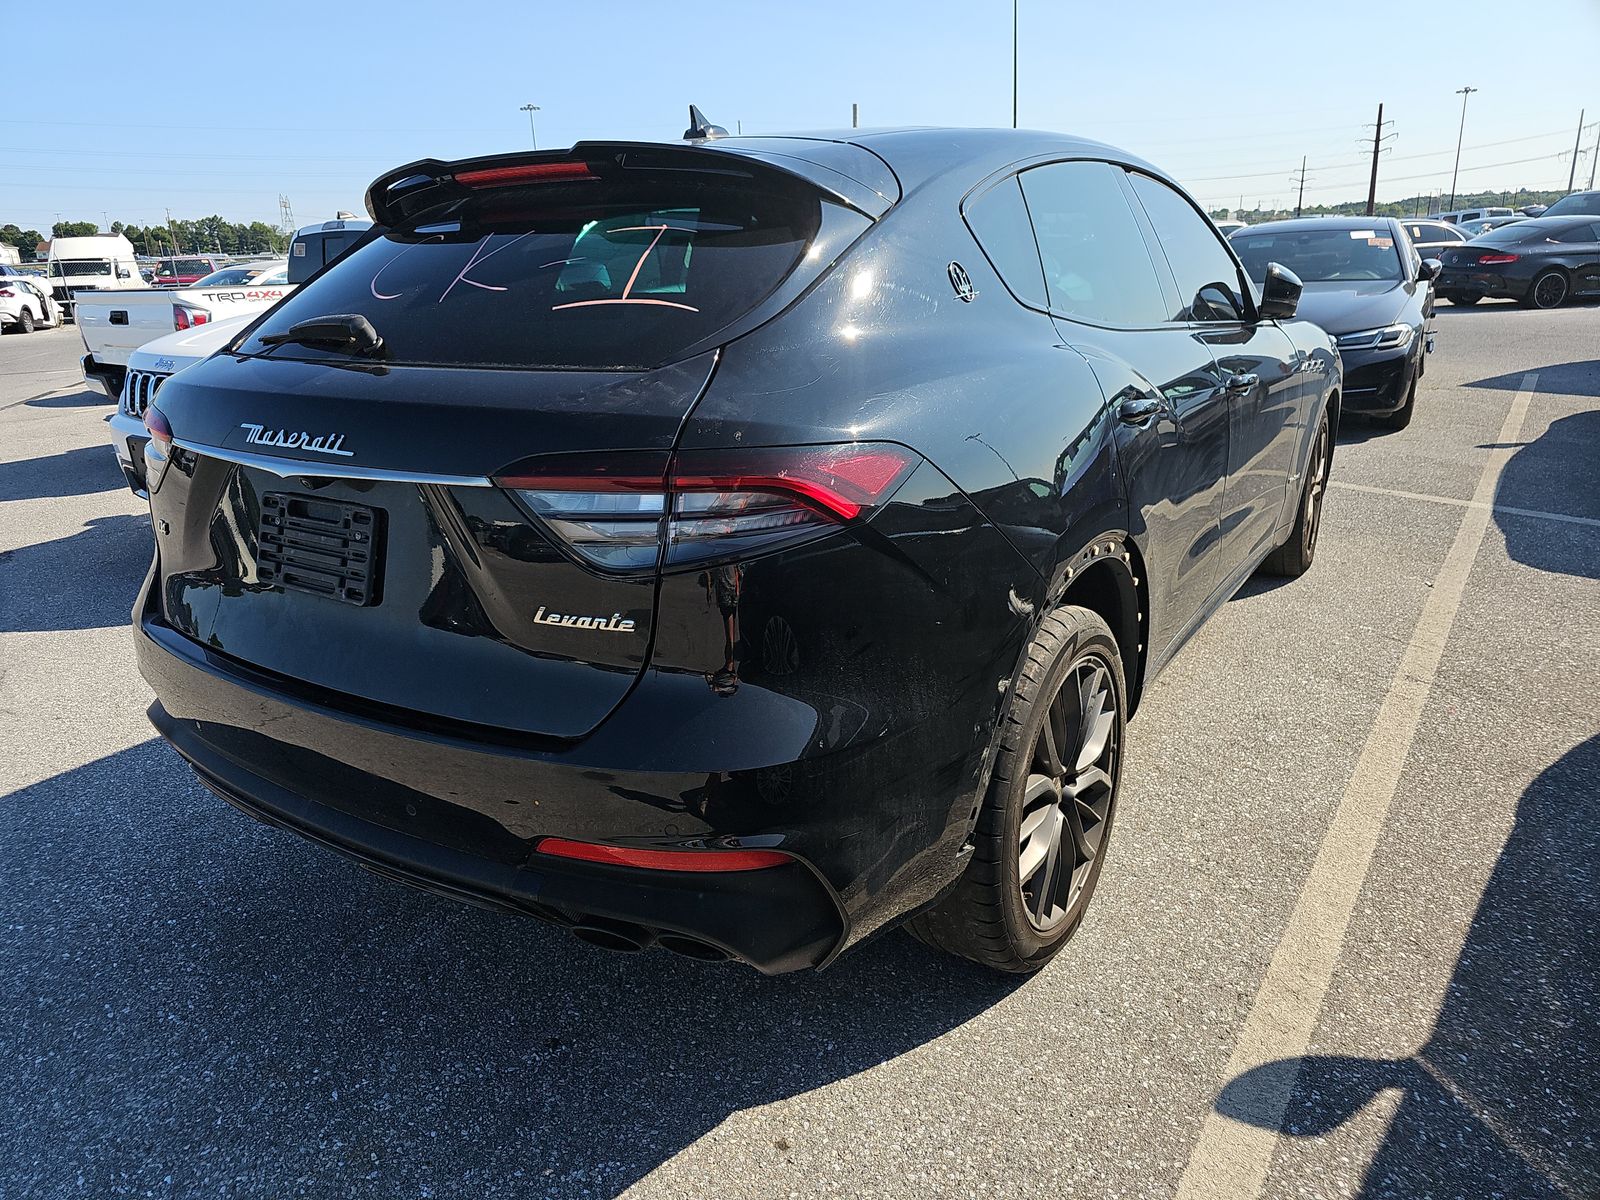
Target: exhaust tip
621, 936
692, 948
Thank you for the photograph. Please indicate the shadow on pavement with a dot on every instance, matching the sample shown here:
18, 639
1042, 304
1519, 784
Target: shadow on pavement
1560, 379
80, 472
211, 1006
86, 580
1557, 472
1501, 1101
88, 398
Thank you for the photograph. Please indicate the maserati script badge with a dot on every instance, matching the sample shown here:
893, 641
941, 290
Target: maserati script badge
328, 443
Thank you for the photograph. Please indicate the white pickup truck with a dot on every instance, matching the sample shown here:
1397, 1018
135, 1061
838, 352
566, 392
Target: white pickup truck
115, 324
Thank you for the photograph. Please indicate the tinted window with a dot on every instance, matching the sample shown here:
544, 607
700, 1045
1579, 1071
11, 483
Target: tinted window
226, 275
80, 266
1434, 233
1322, 255
1096, 264
622, 272
1579, 204
999, 220
1578, 233
309, 254
1207, 276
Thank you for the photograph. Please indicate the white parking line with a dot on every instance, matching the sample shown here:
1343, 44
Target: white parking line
1231, 1159
1499, 508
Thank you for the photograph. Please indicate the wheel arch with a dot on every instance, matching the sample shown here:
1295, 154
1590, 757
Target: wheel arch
1108, 578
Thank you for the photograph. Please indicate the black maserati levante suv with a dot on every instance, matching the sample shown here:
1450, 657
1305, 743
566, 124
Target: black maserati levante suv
1367, 285
737, 546
1542, 262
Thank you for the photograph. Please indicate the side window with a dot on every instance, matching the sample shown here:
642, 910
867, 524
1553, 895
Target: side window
999, 220
1096, 263
1578, 233
1208, 278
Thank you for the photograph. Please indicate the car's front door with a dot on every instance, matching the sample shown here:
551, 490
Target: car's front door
1254, 365
1110, 305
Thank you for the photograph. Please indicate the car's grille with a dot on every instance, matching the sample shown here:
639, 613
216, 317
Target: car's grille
139, 390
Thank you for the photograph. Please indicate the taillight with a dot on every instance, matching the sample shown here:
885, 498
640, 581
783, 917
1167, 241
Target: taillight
1496, 258
158, 451
186, 316
630, 512
703, 861
6, 293
528, 173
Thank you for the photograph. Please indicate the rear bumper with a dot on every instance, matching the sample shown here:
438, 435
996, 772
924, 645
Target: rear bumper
1479, 282
463, 819
107, 375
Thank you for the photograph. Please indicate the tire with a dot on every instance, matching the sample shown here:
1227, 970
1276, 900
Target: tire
1293, 558
25, 320
1464, 299
1401, 417
1004, 914
1548, 290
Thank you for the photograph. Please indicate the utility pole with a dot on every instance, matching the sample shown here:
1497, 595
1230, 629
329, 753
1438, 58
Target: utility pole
1378, 138
1596, 157
173, 232
533, 133
1572, 175
1301, 202
855, 116
1463, 93
1013, 64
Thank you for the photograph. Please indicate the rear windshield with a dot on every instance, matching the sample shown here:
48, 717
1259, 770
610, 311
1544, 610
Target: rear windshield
1509, 235
80, 266
1321, 255
628, 272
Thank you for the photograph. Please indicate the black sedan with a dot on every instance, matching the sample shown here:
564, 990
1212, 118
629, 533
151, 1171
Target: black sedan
1366, 285
1541, 262
1432, 238
737, 546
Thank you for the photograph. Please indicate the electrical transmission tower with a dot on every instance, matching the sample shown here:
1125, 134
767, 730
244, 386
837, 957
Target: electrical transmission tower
285, 214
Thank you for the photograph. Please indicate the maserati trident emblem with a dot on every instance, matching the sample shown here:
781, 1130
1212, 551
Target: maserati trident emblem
962, 282
285, 439
617, 623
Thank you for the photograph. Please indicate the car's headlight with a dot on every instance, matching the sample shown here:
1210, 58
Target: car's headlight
1390, 337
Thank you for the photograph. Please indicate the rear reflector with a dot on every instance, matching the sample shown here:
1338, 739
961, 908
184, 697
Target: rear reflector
530, 173
663, 860
629, 511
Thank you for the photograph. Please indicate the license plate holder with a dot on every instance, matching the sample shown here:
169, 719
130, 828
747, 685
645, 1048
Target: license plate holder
325, 547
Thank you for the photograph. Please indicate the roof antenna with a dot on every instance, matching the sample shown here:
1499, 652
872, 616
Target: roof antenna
700, 129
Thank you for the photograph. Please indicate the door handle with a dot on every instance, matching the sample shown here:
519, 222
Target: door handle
1242, 383
1138, 410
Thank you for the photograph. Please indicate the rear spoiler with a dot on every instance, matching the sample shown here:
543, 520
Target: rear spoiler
847, 173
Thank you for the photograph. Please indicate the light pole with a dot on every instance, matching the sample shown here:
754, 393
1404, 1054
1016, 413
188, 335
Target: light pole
530, 109
1463, 93
1013, 64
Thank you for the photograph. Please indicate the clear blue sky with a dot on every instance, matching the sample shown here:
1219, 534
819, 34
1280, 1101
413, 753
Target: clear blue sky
313, 100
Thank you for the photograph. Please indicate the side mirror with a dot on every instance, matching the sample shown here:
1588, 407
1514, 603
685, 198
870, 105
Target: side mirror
124, 273
1280, 293
1429, 270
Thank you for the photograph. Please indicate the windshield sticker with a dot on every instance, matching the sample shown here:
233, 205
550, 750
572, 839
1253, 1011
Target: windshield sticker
627, 297
1361, 235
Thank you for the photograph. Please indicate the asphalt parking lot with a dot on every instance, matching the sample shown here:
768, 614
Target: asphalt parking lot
1344, 943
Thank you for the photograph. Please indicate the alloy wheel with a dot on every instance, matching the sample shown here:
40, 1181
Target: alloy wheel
1550, 290
1314, 489
1066, 806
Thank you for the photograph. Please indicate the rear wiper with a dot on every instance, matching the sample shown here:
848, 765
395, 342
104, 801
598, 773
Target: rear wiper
343, 331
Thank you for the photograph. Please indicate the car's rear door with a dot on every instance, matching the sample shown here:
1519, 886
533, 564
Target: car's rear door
1158, 374
1582, 244
1256, 366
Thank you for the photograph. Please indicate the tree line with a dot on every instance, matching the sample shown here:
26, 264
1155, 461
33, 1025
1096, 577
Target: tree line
207, 235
